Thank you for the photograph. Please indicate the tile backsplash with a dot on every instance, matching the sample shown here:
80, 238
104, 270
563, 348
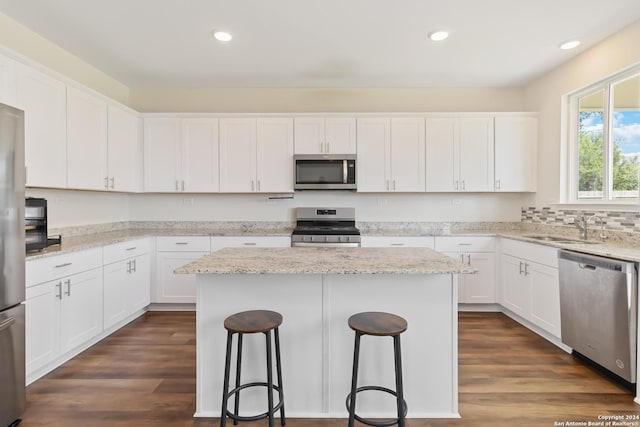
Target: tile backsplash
627, 221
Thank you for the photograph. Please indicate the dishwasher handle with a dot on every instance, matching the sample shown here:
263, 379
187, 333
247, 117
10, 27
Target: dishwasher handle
591, 262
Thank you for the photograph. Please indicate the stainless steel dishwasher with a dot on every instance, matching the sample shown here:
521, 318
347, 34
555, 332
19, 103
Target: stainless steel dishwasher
598, 310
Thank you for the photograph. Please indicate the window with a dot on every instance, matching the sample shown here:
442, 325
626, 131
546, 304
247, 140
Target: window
605, 137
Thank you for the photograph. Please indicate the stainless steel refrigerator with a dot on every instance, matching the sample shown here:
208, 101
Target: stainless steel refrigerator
12, 252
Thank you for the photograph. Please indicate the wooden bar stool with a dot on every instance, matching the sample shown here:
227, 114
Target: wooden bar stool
251, 322
381, 325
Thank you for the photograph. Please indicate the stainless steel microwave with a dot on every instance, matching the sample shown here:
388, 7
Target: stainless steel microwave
325, 172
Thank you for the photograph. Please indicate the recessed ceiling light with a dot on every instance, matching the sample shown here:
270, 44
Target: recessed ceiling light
569, 44
438, 35
222, 36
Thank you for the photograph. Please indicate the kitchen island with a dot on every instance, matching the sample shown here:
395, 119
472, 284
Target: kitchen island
316, 290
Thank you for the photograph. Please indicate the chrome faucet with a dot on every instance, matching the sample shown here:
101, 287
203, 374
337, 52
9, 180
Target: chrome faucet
595, 218
581, 223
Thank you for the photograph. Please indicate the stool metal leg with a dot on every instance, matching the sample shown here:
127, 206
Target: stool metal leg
236, 408
269, 379
354, 380
399, 390
225, 387
279, 371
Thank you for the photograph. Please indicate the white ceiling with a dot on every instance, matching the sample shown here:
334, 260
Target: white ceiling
322, 43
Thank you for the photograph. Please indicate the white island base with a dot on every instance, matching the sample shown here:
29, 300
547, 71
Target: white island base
317, 344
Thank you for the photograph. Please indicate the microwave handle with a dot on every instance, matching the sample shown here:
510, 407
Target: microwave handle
345, 171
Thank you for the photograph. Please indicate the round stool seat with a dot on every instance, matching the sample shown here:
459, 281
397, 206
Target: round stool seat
253, 321
377, 323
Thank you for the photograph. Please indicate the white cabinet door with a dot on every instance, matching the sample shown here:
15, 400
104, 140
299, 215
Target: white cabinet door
407, 154
171, 287
480, 288
43, 100
320, 135
140, 283
545, 297
309, 135
238, 155
516, 287
81, 312
124, 156
42, 324
374, 152
199, 155
8, 93
116, 290
441, 137
86, 141
340, 135
516, 153
459, 154
476, 154
274, 157
162, 154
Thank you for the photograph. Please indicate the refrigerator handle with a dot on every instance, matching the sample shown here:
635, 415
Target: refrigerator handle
7, 323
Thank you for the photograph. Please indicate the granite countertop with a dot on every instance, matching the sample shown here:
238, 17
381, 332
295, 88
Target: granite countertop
325, 261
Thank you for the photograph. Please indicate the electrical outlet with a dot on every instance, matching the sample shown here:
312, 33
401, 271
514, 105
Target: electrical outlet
187, 201
456, 201
383, 202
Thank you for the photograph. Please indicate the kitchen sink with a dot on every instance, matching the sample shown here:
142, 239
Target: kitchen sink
559, 239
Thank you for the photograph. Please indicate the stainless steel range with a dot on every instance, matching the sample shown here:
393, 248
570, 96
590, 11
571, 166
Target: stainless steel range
326, 227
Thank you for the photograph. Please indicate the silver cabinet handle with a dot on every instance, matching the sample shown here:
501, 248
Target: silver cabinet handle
526, 268
113, 181
321, 146
68, 283
176, 185
258, 185
182, 243
182, 185
463, 184
135, 266
462, 258
520, 267
66, 264
59, 287
387, 184
131, 248
249, 243
128, 267
253, 187
106, 182
397, 244
469, 259
328, 149
497, 184
455, 184
394, 185
465, 244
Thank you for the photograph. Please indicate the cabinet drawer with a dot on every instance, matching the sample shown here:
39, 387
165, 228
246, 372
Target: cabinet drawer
183, 244
219, 242
465, 243
545, 255
125, 250
398, 241
51, 268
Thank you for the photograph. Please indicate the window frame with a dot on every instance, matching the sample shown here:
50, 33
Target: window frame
571, 123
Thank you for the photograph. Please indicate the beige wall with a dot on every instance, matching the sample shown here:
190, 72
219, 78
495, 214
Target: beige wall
21, 40
295, 100
544, 95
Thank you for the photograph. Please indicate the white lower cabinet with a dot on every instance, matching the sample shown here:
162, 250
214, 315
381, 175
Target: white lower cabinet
62, 315
171, 253
530, 284
478, 252
126, 280
219, 242
397, 242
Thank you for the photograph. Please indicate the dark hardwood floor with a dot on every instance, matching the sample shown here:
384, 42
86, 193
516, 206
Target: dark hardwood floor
144, 375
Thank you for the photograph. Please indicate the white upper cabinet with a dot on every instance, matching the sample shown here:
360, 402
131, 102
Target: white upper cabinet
460, 154
8, 93
124, 150
86, 141
162, 154
181, 154
43, 98
256, 155
391, 154
516, 141
199, 155
274, 145
320, 135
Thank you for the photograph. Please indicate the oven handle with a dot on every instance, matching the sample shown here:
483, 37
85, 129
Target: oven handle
325, 245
